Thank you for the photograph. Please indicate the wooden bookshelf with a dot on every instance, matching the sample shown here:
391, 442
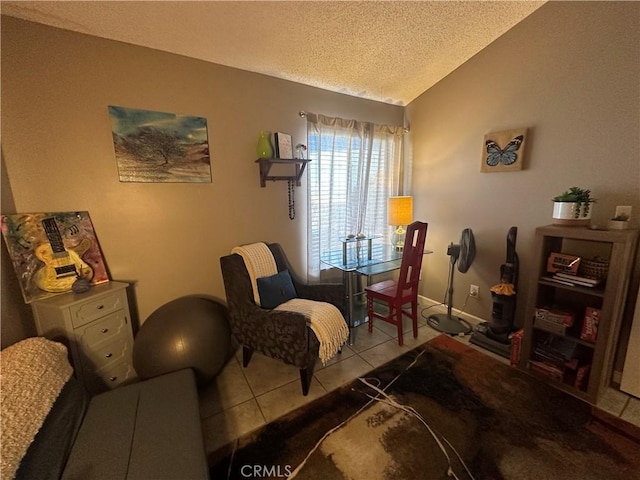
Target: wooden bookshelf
609, 297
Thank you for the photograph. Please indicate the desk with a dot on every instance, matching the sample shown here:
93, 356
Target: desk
368, 261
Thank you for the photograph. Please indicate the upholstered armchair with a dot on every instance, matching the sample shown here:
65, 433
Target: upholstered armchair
282, 335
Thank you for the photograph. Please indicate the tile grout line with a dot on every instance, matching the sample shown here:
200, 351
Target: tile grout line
254, 397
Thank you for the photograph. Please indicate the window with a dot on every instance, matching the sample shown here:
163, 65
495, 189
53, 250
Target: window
355, 166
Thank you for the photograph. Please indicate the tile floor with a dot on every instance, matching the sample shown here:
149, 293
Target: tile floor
240, 399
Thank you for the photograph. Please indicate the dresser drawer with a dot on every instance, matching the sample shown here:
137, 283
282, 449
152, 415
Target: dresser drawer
103, 330
101, 355
94, 309
109, 377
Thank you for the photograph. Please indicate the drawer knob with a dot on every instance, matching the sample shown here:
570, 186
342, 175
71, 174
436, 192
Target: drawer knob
104, 330
100, 307
109, 355
113, 379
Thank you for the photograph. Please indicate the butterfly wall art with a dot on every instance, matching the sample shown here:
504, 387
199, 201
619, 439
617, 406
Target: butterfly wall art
503, 151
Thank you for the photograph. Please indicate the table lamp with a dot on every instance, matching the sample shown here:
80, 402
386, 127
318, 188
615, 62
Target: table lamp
399, 214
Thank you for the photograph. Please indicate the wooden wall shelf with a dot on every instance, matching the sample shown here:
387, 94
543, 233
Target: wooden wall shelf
267, 163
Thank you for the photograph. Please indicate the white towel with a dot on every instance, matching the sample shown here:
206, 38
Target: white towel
259, 262
325, 320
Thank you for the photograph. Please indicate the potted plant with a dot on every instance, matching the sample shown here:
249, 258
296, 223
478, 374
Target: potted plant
619, 222
573, 207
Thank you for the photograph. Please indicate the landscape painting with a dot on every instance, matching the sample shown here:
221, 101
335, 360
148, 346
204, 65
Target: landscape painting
50, 251
159, 147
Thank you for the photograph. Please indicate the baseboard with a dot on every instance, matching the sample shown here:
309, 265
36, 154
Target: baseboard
438, 307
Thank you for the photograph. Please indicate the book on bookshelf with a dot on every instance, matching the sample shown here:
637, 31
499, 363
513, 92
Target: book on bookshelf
578, 278
555, 315
549, 326
547, 370
590, 324
582, 377
559, 280
571, 281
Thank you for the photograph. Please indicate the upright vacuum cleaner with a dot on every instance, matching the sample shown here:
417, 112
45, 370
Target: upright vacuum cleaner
495, 335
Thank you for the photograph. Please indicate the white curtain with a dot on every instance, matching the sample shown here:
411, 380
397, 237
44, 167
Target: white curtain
355, 166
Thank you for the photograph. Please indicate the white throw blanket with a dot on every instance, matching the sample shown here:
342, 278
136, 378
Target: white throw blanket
323, 318
259, 262
33, 373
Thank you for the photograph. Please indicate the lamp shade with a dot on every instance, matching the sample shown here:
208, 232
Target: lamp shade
400, 210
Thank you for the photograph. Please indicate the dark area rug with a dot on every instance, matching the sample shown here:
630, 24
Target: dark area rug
489, 421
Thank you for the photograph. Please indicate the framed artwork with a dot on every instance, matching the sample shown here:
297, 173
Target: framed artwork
158, 147
623, 210
50, 251
503, 151
284, 148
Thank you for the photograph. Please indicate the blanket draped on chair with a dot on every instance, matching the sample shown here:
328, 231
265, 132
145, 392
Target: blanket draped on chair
259, 262
323, 318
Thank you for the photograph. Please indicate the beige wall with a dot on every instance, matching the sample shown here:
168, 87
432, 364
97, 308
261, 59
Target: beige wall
16, 319
570, 72
166, 238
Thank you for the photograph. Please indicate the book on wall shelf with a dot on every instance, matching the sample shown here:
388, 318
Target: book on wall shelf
284, 147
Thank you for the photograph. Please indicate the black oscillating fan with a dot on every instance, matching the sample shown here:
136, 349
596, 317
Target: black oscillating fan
463, 254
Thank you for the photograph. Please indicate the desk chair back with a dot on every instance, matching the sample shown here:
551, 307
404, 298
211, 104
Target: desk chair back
403, 291
412, 260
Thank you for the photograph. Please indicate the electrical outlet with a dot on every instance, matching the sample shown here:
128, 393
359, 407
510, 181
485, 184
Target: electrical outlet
474, 291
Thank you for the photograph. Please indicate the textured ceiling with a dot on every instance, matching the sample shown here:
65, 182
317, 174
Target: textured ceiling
389, 51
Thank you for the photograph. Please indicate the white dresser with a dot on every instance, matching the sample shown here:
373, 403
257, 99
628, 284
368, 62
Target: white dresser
96, 328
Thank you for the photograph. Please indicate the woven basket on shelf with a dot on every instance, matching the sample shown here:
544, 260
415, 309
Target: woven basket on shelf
596, 268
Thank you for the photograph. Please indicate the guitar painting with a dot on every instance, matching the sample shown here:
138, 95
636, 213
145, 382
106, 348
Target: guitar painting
52, 251
62, 267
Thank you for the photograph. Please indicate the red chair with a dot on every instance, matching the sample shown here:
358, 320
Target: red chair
405, 290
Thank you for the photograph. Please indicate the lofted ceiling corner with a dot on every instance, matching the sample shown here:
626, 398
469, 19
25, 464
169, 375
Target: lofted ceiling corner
387, 51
